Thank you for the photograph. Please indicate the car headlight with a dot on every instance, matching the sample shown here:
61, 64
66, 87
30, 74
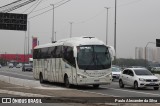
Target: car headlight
142, 79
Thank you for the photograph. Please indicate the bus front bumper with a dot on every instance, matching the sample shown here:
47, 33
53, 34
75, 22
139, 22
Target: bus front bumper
92, 81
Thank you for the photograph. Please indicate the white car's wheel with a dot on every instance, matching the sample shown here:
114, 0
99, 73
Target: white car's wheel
121, 85
136, 85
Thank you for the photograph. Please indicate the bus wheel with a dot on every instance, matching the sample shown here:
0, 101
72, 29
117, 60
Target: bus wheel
96, 86
41, 78
66, 81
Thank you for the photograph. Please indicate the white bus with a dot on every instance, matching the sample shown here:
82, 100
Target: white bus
77, 61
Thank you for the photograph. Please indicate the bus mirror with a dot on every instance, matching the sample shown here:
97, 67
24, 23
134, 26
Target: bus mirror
112, 52
75, 52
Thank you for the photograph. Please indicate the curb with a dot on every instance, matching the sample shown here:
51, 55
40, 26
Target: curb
21, 82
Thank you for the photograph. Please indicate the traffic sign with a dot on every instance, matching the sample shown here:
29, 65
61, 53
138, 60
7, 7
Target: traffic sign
12, 21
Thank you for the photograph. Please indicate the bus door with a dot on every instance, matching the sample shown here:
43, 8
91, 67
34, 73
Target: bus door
70, 63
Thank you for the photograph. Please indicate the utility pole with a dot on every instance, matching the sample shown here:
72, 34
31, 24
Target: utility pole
115, 31
107, 26
53, 25
55, 36
71, 29
25, 47
146, 61
5, 58
28, 35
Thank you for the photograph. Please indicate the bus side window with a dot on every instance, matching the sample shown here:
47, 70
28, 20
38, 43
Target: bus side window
44, 52
50, 49
53, 52
59, 52
68, 55
35, 53
38, 54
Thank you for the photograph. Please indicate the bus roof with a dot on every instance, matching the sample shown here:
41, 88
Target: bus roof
74, 41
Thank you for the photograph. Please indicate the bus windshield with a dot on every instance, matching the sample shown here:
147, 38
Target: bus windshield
93, 57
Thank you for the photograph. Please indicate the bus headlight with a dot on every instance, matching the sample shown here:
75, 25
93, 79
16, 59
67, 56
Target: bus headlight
81, 76
109, 75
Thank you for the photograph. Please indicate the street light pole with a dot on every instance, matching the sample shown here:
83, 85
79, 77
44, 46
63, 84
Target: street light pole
25, 47
55, 35
107, 26
71, 29
146, 52
53, 25
5, 58
28, 35
115, 30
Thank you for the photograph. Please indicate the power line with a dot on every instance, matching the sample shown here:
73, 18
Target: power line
59, 2
126, 4
30, 6
14, 5
41, 9
48, 6
11, 3
91, 18
35, 6
49, 10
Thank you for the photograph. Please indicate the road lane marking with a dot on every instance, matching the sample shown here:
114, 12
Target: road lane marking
22, 93
133, 91
97, 93
17, 87
17, 74
51, 88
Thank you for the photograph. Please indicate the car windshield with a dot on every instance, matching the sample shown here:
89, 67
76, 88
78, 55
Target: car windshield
116, 69
93, 57
142, 72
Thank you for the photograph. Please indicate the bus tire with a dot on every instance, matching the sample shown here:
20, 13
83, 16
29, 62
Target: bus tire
41, 78
66, 82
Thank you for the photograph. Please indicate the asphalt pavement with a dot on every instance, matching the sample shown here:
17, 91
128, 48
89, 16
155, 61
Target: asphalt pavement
58, 90
105, 90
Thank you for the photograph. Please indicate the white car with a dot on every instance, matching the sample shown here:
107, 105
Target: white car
116, 71
155, 69
10, 65
138, 78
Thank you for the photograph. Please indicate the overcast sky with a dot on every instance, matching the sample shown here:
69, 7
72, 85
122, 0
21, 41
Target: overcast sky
138, 22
